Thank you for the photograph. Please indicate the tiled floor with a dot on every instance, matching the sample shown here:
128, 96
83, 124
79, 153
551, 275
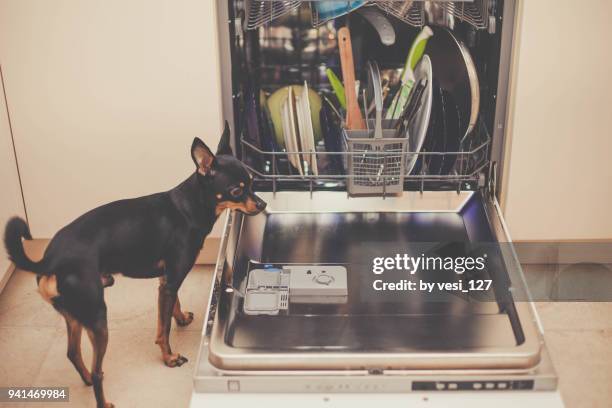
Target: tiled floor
579, 338
33, 345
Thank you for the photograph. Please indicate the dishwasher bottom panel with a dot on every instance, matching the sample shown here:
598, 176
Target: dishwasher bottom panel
372, 329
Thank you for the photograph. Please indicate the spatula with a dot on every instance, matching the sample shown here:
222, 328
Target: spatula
337, 86
414, 56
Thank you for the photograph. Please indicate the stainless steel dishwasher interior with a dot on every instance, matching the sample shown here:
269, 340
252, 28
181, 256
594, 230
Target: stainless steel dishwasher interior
392, 342
401, 332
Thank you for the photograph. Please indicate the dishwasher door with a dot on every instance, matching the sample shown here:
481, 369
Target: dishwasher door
372, 330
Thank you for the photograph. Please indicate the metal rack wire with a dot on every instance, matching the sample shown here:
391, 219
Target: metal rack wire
471, 162
475, 13
262, 12
318, 20
412, 12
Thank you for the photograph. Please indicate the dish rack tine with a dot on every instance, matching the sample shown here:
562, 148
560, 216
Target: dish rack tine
384, 186
290, 166
459, 172
411, 13
380, 172
274, 173
262, 12
423, 165
475, 13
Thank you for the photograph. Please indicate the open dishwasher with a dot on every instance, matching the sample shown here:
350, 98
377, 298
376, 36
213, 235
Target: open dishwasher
309, 297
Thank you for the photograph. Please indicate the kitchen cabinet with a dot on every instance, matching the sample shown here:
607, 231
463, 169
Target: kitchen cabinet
559, 177
11, 203
105, 98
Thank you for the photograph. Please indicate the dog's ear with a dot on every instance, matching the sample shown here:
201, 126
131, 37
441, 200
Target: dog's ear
224, 143
203, 158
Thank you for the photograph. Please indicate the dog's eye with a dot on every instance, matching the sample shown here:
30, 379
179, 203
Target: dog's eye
236, 191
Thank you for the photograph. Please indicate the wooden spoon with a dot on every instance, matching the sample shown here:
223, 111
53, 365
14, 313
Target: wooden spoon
354, 120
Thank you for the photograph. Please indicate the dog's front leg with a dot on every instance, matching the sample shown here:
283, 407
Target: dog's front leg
182, 318
166, 301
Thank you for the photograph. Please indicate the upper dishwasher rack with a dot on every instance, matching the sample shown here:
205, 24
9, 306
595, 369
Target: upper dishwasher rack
413, 12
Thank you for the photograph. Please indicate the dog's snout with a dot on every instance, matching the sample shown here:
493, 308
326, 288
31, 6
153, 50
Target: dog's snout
261, 204
254, 205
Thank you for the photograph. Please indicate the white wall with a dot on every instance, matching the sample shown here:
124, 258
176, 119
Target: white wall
10, 202
560, 174
106, 97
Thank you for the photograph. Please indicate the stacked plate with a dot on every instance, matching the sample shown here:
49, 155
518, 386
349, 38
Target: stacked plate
295, 115
446, 110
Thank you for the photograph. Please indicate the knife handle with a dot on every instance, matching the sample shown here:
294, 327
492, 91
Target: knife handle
354, 120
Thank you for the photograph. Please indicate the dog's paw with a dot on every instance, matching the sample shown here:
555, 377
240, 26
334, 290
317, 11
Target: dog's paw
185, 320
174, 360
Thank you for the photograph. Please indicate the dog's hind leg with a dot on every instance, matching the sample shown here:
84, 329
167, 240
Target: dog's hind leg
98, 334
74, 329
182, 318
81, 301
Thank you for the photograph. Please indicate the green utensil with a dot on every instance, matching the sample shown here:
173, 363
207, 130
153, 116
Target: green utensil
336, 86
414, 56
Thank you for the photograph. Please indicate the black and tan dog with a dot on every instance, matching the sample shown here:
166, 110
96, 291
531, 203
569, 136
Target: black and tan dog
153, 236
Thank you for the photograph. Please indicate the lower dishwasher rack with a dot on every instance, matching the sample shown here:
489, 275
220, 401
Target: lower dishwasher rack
403, 336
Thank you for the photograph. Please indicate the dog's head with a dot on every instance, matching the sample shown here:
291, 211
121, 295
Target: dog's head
226, 177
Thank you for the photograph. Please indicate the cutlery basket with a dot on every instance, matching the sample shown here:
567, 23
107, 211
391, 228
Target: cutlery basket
375, 166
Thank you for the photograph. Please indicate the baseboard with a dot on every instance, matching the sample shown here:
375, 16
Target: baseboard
564, 252
6, 276
35, 250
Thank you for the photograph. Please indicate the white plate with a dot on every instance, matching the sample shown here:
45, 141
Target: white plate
290, 131
417, 130
304, 115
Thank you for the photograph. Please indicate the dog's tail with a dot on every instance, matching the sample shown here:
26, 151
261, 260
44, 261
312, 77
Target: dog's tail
16, 228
